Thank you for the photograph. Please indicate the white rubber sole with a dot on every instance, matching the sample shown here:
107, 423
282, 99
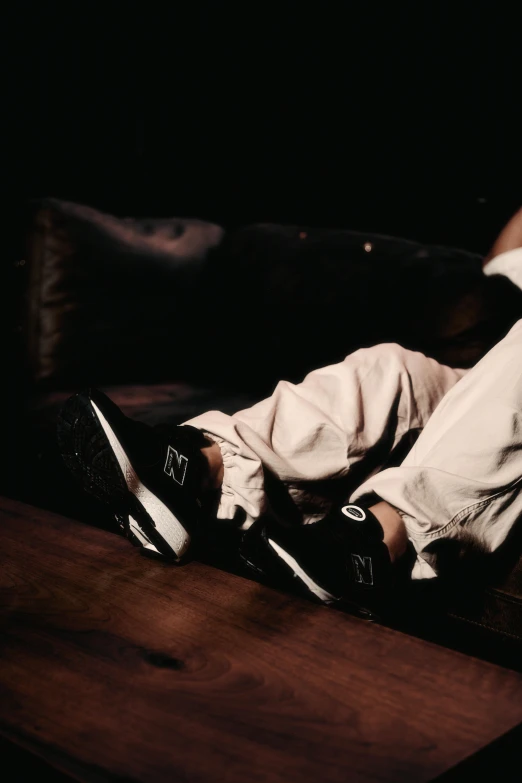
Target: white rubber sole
314, 588
167, 524
140, 535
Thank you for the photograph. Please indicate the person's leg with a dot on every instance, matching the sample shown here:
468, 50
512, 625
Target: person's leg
458, 490
324, 436
213, 477
315, 440
318, 439
155, 479
395, 533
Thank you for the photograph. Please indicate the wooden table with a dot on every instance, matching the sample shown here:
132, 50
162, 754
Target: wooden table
116, 667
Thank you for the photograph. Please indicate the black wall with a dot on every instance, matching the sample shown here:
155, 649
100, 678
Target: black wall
382, 116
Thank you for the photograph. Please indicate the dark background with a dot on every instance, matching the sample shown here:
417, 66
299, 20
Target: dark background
391, 118
387, 117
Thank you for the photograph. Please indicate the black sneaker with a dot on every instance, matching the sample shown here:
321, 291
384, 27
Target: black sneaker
340, 560
151, 477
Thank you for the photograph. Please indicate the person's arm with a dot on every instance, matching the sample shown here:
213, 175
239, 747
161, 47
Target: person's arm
509, 238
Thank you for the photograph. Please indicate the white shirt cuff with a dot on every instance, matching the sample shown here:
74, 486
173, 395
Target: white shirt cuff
508, 264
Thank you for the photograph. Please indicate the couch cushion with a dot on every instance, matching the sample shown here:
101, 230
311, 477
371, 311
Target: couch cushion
130, 300
305, 297
152, 403
111, 299
498, 607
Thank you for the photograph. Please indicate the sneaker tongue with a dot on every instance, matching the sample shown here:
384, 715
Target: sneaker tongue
165, 430
145, 443
183, 458
361, 522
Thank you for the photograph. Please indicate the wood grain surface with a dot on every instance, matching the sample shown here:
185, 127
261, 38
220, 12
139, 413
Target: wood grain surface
116, 667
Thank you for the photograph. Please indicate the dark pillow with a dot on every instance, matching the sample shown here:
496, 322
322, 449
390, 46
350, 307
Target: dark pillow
110, 299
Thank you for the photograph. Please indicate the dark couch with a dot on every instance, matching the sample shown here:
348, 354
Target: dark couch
155, 312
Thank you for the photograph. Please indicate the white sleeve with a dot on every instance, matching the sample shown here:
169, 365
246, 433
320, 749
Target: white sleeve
508, 264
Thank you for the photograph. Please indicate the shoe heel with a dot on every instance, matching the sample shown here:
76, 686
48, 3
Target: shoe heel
87, 454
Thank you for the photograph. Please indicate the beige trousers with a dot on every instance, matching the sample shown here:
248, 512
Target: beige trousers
331, 438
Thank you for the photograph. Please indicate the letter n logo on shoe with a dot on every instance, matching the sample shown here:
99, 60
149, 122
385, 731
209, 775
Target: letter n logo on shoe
176, 465
362, 569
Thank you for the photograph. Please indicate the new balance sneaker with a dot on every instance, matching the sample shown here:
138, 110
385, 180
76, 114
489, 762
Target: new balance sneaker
152, 478
341, 559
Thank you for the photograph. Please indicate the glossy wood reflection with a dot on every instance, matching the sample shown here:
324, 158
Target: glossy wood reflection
113, 666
